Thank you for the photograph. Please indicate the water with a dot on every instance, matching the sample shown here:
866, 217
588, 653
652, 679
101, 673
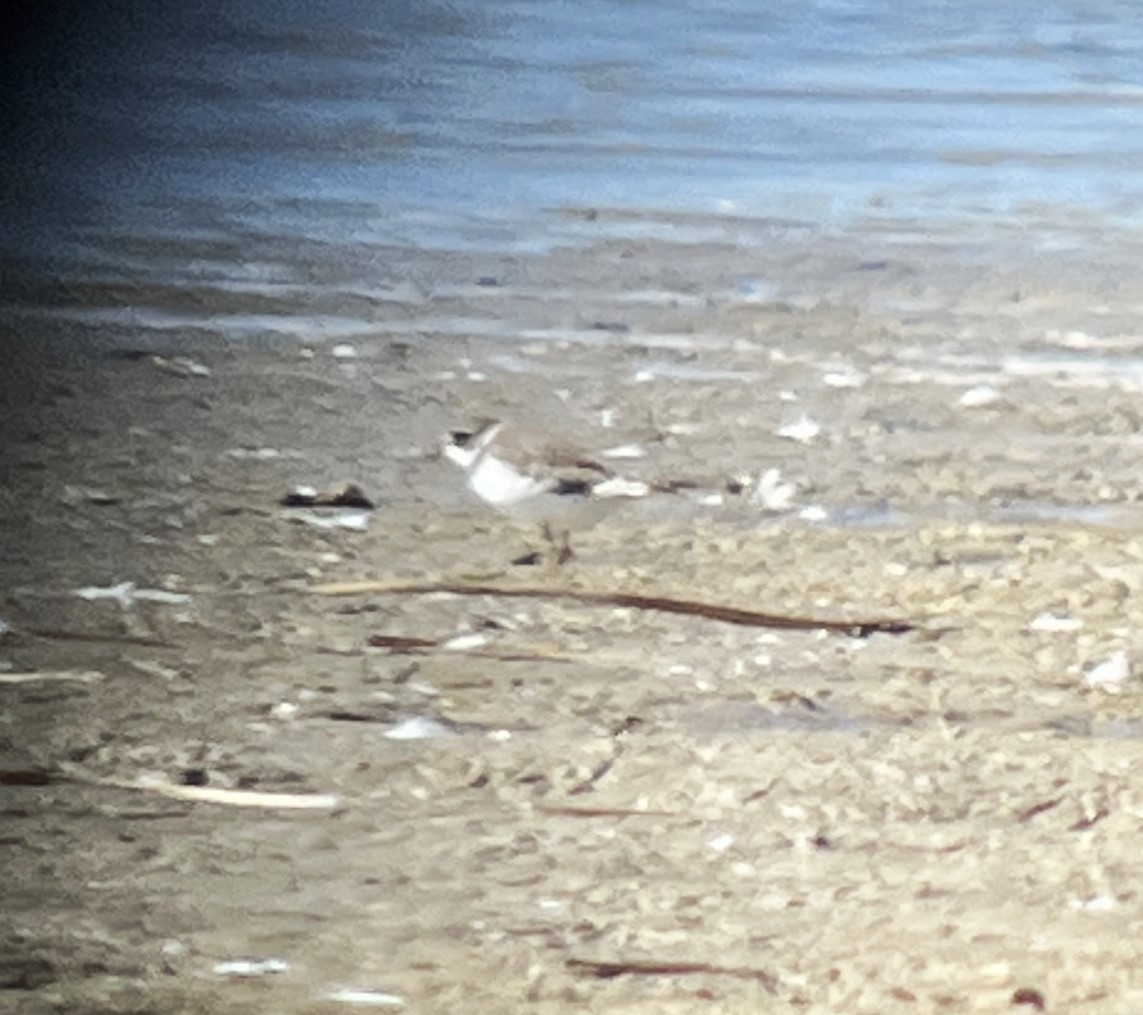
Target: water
166, 141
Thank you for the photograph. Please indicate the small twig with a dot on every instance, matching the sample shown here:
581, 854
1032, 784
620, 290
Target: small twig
1027, 815
55, 634
348, 715
609, 970
660, 604
758, 794
602, 812
400, 645
597, 773
25, 777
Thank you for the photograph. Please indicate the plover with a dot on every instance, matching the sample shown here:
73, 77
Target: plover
527, 476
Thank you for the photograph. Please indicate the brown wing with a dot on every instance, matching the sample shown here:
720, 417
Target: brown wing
539, 452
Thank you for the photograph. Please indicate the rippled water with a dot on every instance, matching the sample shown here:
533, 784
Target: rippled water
474, 123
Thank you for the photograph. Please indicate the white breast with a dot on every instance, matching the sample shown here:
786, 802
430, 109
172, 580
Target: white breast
501, 485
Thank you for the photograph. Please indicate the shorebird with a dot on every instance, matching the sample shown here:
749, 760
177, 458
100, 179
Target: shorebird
529, 476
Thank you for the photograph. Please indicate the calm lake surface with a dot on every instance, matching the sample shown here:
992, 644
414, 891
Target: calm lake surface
160, 142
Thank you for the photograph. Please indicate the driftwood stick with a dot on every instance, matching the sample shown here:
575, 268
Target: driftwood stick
659, 604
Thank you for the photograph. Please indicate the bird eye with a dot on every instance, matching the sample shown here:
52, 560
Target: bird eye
461, 438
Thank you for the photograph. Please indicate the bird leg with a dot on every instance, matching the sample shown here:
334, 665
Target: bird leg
563, 549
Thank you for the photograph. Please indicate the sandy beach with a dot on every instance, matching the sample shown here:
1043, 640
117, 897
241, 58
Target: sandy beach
541, 803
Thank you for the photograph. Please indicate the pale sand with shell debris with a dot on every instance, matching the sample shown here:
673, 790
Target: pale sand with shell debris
623, 810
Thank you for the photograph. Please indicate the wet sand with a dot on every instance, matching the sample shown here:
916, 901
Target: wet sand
622, 810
